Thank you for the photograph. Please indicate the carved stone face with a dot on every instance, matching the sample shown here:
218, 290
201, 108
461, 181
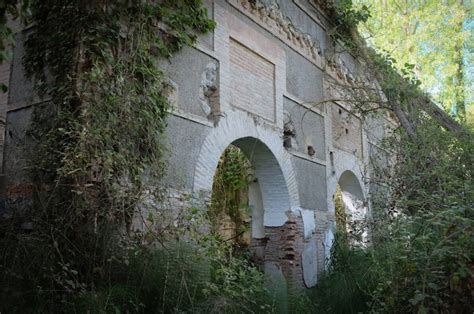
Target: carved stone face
209, 77
208, 87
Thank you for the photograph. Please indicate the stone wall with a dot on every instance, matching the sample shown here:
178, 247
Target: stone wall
5, 77
266, 79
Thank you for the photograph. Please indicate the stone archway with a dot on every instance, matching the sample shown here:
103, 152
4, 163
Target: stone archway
267, 196
271, 187
276, 190
355, 210
348, 177
352, 195
263, 146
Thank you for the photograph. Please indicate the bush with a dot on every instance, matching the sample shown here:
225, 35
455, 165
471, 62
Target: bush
422, 234
179, 278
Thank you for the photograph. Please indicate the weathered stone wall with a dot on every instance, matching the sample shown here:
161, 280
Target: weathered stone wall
267, 80
5, 77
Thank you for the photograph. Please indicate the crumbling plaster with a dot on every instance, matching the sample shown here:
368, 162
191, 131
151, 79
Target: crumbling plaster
296, 183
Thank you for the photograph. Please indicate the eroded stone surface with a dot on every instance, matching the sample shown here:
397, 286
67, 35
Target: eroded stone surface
309, 225
208, 87
310, 269
269, 82
328, 243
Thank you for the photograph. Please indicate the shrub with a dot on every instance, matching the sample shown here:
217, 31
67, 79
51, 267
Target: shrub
422, 234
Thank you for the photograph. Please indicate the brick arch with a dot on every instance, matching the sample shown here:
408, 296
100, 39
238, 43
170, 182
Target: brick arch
350, 184
353, 195
352, 168
348, 173
263, 146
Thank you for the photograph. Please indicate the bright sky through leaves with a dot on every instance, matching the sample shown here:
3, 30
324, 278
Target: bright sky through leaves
434, 35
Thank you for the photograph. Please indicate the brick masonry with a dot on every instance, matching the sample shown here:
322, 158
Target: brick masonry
250, 47
246, 58
253, 81
346, 131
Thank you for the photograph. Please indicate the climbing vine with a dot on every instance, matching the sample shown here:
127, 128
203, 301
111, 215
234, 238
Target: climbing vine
345, 16
98, 131
9, 10
340, 211
233, 177
98, 143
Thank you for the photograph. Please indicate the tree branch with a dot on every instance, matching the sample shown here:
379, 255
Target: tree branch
422, 101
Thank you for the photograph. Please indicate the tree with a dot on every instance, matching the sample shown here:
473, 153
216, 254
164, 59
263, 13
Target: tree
433, 36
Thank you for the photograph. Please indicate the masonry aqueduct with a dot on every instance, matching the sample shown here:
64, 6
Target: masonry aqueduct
260, 81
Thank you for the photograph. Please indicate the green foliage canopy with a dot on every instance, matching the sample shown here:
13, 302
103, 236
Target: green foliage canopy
434, 37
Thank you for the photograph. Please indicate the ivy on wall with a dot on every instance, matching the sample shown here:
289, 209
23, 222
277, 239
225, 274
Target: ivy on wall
97, 136
232, 179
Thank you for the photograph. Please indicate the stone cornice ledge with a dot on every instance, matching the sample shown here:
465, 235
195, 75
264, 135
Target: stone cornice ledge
191, 117
272, 19
306, 157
